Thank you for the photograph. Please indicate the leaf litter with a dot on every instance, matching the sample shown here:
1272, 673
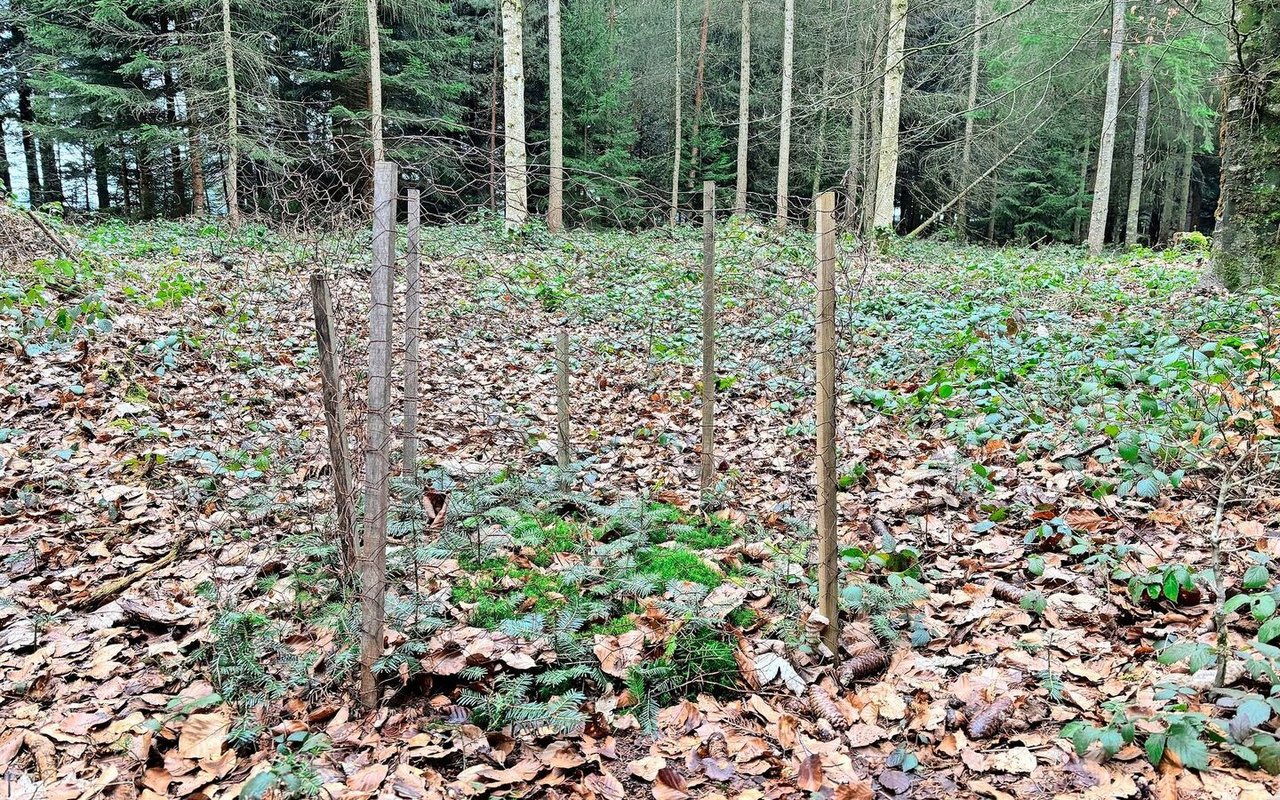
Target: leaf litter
1004, 442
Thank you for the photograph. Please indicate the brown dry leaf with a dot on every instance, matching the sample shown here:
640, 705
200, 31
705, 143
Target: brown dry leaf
618, 654
605, 785
809, 775
202, 735
564, 755
646, 768
854, 791
1015, 759
862, 734
670, 785
367, 780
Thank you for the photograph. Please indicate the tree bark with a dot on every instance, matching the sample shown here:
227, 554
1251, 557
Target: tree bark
874, 77
784, 133
1139, 171
50, 171
27, 119
820, 147
232, 172
373, 547
699, 92
1246, 242
1184, 184
679, 103
1077, 224
744, 111
895, 68
515, 159
1107, 143
375, 80
195, 155
335, 418
555, 201
966, 149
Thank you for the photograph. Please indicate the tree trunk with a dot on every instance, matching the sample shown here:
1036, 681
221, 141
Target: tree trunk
375, 80
966, 149
1184, 183
675, 167
6, 180
744, 110
195, 155
895, 67
820, 147
515, 157
1077, 224
699, 92
27, 119
853, 172
875, 79
1107, 144
1168, 180
555, 200
493, 118
784, 133
175, 150
1246, 240
233, 123
100, 176
50, 172
1139, 158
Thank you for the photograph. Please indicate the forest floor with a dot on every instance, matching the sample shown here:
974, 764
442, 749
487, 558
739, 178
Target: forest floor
1058, 522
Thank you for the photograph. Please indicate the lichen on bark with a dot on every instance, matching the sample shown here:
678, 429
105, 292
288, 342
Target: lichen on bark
1247, 240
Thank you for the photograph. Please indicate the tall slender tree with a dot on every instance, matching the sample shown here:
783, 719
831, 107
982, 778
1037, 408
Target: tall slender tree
1107, 142
895, 68
232, 171
744, 111
784, 132
555, 77
515, 154
679, 108
1139, 171
966, 148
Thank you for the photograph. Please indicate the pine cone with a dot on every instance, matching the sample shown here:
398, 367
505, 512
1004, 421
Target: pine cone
822, 705
1008, 592
863, 665
989, 721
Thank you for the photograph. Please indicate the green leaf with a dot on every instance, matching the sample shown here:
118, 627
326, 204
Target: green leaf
1256, 577
1171, 586
1269, 630
1155, 748
1184, 742
1111, 741
258, 786
1254, 712
1264, 607
1148, 488
1235, 603
1129, 451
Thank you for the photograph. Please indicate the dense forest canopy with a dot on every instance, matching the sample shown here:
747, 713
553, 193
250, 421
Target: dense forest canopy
121, 107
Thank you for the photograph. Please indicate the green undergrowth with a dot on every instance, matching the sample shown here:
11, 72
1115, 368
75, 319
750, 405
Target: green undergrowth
539, 561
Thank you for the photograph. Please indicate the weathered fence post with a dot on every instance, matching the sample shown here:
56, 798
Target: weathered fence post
828, 551
707, 475
564, 451
373, 548
412, 322
335, 422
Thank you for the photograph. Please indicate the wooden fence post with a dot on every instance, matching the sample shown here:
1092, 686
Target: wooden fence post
412, 322
707, 474
828, 551
335, 422
564, 451
373, 549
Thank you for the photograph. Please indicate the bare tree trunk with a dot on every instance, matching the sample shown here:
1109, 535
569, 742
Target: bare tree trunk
895, 67
1168, 179
1107, 144
175, 150
853, 173
195, 154
515, 157
555, 200
493, 119
233, 123
699, 91
820, 147
876, 80
744, 111
966, 149
784, 133
412, 324
27, 119
1184, 188
1077, 224
377, 467
335, 418
679, 102
50, 171
828, 549
707, 474
375, 80
1139, 157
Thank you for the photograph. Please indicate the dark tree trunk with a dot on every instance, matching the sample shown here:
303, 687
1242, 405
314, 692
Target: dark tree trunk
1247, 237
175, 152
27, 119
100, 168
50, 173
